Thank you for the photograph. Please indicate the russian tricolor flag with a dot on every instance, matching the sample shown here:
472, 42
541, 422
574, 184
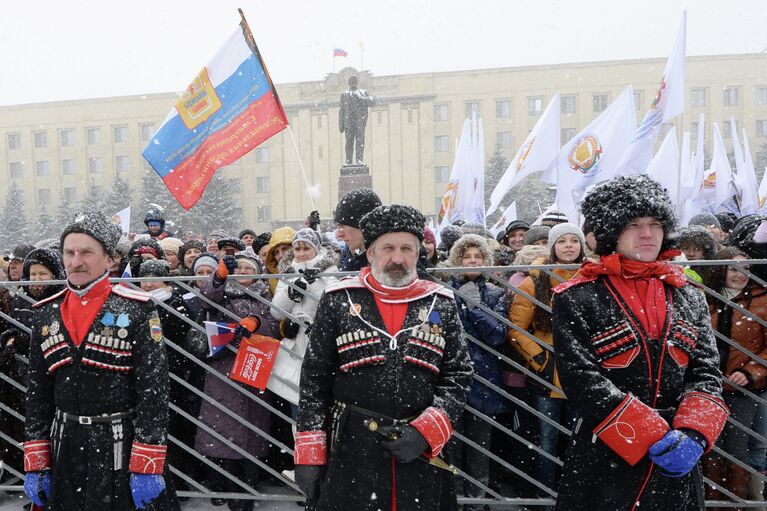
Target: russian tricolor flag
338, 52
230, 108
219, 335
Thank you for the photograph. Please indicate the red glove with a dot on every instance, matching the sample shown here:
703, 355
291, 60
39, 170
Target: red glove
226, 266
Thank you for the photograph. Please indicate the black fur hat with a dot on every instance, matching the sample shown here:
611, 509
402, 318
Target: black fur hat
700, 237
612, 205
51, 259
354, 205
96, 225
395, 218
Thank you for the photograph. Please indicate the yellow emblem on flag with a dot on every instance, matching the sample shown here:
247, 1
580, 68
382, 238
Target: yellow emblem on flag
198, 102
585, 153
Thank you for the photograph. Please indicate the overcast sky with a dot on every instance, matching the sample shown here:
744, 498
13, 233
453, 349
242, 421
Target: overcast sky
72, 49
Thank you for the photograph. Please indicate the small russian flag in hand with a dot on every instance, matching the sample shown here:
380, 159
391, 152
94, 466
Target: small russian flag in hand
338, 52
219, 335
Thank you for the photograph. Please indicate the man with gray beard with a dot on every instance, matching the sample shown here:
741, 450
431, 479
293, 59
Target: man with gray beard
384, 378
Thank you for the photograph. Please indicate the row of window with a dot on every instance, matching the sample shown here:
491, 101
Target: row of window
68, 167
67, 137
599, 103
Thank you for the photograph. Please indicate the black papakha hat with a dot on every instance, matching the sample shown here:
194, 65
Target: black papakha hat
395, 218
354, 205
96, 225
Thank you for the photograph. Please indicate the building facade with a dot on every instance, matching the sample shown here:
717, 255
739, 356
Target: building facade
60, 149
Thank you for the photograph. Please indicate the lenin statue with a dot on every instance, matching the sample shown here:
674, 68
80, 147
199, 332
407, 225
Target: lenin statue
352, 119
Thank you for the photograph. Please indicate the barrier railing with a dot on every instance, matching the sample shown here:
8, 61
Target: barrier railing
514, 476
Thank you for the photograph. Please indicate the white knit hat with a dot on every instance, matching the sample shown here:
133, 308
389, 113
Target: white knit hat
560, 230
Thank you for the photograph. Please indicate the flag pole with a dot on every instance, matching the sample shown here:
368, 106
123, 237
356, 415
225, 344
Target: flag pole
301, 166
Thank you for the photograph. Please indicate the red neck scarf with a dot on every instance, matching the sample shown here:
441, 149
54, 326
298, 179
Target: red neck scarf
413, 291
640, 285
79, 312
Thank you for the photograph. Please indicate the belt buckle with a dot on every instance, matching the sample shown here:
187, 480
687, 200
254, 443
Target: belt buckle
85, 420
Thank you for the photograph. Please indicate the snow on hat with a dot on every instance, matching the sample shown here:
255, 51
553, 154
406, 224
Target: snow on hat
727, 220
705, 220
96, 225
247, 231
448, 236
250, 259
218, 234
468, 241
699, 237
560, 230
146, 246
261, 241
612, 205
20, 252
354, 205
536, 233
46, 257
395, 218
474, 228
172, 244
553, 218
231, 241
154, 268
205, 259
308, 236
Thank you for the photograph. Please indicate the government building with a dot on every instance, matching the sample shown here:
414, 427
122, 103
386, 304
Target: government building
59, 149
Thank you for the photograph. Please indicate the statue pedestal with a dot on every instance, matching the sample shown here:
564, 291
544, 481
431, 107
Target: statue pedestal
352, 177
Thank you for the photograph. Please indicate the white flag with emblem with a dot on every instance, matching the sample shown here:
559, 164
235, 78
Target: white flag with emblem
536, 153
592, 156
667, 104
508, 215
746, 175
721, 172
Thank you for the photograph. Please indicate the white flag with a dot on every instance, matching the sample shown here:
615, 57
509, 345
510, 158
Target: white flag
509, 214
721, 172
667, 104
664, 166
536, 153
474, 209
592, 156
746, 175
763, 193
451, 208
122, 218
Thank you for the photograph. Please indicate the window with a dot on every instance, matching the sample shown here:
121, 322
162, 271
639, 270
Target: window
761, 95
262, 154
637, 100
441, 144
262, 184
70, 194
120, 134
14, 141
122, 163
567, 104
730, 96
600, 102
503, 108
727, 128
94, 165
42, 168
264, 213
66, 137
441, 113
471, 108
44, 195
319, 152
68, 167
697, 98
147, 131
93, 135
566, 134
16, 168
379, 117
319, 122
40, 139
761, 128
410, 116
503, 139
441, 174
535, 105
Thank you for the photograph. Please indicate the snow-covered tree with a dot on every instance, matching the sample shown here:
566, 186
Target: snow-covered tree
63, 215
496, 166
44, 225
14, 228
217, 209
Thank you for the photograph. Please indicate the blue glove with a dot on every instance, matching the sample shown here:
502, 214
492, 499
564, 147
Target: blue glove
145, 488
676, 453
37, 486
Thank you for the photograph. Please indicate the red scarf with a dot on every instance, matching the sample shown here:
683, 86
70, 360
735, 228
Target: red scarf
640, 285
413, 291
79, 312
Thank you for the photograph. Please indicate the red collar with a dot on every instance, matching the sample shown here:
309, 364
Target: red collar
79, 312
413, 291
617, 265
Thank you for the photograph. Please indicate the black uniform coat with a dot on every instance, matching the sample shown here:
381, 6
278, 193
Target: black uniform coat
90, 462
594, 477
359, 472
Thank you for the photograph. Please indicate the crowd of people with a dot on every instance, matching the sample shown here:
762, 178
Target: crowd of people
511, 319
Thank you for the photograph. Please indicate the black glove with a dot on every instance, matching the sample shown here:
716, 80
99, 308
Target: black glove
313, 220
289, 329
295, 294
247, 326
406, 443
309, 479
540, 359
310, 274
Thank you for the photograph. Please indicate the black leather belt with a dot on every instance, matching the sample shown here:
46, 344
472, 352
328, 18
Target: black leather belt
111, 417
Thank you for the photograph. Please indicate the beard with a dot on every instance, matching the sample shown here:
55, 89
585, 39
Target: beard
393, 275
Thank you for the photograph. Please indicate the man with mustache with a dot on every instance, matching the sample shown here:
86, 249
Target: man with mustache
97, 402
383, 380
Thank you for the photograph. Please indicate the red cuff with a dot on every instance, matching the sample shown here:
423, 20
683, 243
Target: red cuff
631, 429
703, 413
37, 455
311, 448
435, 427
147, 458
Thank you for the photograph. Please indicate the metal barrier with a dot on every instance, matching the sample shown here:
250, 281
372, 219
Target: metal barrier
513, 483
